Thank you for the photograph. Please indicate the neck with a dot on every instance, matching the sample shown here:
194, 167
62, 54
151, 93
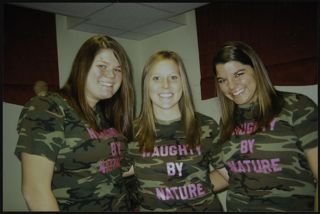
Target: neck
167, 114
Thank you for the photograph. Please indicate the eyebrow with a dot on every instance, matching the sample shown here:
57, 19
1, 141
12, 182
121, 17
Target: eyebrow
103, 61
241, 69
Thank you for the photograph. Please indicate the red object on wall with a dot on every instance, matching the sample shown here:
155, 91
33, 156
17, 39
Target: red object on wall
284, 34
30, 52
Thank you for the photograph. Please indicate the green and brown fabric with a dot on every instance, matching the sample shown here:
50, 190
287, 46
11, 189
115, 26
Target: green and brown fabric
87, 172
174, 177
268, 169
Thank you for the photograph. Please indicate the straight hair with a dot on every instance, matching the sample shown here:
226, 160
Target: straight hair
269, 101
119, 109
145, 123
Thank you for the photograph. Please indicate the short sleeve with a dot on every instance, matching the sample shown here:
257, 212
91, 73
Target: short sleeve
217, 155
126, 161
40, 128
305, 121
209, 125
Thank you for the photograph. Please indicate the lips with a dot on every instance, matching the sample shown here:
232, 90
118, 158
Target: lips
237, 92
166, 95
107, 84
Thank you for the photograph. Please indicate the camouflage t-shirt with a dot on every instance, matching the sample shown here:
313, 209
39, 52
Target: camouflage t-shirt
268, 170
87, 172
173, 177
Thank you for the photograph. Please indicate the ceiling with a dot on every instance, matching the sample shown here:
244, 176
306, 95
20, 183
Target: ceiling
135, 21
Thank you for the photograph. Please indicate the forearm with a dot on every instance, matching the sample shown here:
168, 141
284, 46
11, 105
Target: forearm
312, 157
37, 172
219, 182
128, 173
316, 199
40, 200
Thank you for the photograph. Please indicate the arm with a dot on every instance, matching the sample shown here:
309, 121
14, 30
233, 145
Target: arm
37, 172
219, 178
128, 173
312, 157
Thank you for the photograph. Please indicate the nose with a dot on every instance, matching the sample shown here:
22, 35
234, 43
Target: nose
165, 83
109, 73
231, 83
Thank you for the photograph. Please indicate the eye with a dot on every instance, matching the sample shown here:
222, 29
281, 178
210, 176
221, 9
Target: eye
102, 66
238, 74
220, 80
117, 70
155, 78
174, 77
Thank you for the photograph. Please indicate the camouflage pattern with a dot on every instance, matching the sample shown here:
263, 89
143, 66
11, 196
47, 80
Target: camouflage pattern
174, 177
87, 173
268, 170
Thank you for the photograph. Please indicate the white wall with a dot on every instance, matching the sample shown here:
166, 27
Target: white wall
12, 197
182, 40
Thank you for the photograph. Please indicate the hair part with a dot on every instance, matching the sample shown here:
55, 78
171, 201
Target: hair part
122, 102
269, 102
145, 123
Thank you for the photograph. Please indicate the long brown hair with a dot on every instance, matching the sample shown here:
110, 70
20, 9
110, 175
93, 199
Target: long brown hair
269, 101
119, 108
145, 123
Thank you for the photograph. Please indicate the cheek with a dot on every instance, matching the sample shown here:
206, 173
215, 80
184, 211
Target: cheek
223, 88
119, 78
179, 89
176, 85
152, 87
94, 74
251, 83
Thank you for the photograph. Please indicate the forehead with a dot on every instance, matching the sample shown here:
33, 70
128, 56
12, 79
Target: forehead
165, 66
231, 67
106, 55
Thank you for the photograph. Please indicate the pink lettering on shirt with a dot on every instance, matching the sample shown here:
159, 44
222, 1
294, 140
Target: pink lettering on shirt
172, 150
186, 192
109, 165
246, 146
104, 134
266, 166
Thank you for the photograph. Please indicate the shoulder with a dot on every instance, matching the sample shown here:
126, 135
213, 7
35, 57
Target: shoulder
50, 103
296, 100
205, 120
41, 111
46, 100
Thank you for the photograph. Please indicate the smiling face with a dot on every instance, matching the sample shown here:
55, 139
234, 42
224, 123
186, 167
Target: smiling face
104, 77
236, 81
165, 88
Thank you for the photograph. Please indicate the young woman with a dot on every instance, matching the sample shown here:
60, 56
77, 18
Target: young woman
173, 144
71, 142
269, 138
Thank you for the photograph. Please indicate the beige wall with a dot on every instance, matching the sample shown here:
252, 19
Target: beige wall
182, 40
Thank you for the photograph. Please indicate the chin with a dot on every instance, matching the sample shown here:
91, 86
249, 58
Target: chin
106, 97
241, 102
166, 107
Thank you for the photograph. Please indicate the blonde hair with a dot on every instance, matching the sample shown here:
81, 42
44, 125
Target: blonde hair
145, 123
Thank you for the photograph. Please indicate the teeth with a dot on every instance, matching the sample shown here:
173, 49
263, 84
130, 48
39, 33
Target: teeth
238, 92
165, 95
105, 84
